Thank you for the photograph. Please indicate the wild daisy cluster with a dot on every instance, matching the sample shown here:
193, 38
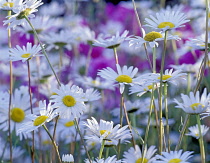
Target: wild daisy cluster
79, 82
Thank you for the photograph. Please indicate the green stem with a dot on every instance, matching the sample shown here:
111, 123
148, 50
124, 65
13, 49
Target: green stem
116, 56
154, 60
53, 142
101, 149
188, 82
160, 95
107, 152
201, 143
43, 50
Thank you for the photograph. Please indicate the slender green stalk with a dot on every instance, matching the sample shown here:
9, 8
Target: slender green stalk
88, 60
107, 152
201, 144
161, 128
81, 137
10, 90
53, 142
166, 113
115, 55
43, 50
154, 60
188, 82
162, 3
101, 149
30, 95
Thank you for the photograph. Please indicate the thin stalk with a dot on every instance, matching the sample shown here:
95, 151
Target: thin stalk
101, 149
166, 113
160, 95
10, 90
81, 137
188, 82
162, 3
88, 60
53, 142
107, 152
201, 144
115, 55
121, 122
174, 46
154, 60
30, 95
43, 50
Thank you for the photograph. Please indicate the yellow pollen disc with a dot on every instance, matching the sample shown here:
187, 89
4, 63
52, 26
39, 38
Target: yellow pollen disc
165, 77
95, 82
46, 142
175, 160
93, 144
27, 55
140, 160
124, 78
39, 120
152, 36
148, 87
17, 115
23, 14
69, 101
54, 93
165, 24
103, 131
195, 105
196, 134
9, 4
69, 124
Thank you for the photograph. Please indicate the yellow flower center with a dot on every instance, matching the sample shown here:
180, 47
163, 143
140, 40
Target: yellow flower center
9, 4
140, 160
46, 142
95, 82
69, 124
124, 78
151, 36
39, 120
23, 14
69, 101
175, 160
27, 55
165, 77
148, 87
195, 105
17, 115
103, 131
93, 144
165, 24
196, 134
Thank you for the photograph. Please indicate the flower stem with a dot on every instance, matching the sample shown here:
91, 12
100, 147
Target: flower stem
101, 149
43, 50
201, 144
116, 56
53, 142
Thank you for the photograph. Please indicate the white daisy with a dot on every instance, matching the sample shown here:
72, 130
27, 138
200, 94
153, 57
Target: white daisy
10, 4
34, 121
198, 43
92, 95
25, 53
194, 104
123, 75
25, 9
194, 131
112, 159
68, 158
152, 38
60, 40
174, 156
135, 155
167, 20
132, 106
69, 101
112, 42
105, 131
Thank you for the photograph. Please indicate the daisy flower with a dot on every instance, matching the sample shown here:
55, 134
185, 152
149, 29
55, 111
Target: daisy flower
132, 106
112, 42
34, 121
123, 75
135, 155
69, 101
92, 95
112, 159
194, 131
25, 53
194, 104
152, 38
10, 4
105, 131
68, 158
197, 43
167, 20
174, 156
24, 10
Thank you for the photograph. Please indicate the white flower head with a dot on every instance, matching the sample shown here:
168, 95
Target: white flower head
112, 42
25, 53
152, 38
34, 122
112, 159
10, 4
174, 156
194, 131
105, 131
68, 158
167, 20
124, 75
69, 101
135, 155
194, 104
25, 10
92, 95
